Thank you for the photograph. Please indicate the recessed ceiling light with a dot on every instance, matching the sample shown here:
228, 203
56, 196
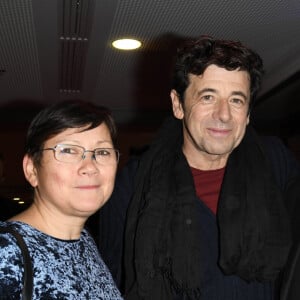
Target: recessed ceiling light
126, 44
16, 198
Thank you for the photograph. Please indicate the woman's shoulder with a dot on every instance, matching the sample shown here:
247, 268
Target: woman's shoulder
8, 228
11, 259
10, 252
16, 225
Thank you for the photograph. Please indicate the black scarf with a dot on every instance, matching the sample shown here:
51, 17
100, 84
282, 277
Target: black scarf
253, 222
160, 253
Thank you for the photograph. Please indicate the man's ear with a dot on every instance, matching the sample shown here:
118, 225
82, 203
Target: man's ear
30, 171
176, 105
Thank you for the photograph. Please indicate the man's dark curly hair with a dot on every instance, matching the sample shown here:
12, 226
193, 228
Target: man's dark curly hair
197, 54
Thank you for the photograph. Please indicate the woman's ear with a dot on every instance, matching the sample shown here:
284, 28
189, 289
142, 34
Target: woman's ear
176, 105
30, 171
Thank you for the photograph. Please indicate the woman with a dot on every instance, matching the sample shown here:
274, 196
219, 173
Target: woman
70, 162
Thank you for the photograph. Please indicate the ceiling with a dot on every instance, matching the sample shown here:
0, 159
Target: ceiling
58, 49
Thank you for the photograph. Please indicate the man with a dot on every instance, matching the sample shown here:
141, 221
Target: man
206, 218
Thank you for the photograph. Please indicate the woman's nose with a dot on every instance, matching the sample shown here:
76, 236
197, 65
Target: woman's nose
88, 163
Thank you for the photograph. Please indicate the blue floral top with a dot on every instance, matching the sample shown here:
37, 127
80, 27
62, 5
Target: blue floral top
63, 269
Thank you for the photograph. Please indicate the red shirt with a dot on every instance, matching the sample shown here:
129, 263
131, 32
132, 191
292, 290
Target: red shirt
208, 186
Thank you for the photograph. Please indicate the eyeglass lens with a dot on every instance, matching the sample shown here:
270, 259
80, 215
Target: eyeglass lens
73, 153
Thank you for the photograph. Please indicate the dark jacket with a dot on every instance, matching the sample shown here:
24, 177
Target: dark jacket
156, 251
290, 287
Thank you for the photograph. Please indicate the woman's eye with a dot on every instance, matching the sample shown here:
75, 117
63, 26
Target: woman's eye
68, 151
102, 152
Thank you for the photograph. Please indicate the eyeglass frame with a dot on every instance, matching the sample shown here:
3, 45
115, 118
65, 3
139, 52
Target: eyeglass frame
54, 149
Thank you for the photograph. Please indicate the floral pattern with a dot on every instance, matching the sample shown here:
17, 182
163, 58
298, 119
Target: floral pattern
62, 269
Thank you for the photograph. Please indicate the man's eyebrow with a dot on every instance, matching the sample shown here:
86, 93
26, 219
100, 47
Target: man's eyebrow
211, 90
205, 90
239, 93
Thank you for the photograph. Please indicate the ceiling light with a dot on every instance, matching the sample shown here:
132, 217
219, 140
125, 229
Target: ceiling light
127, 44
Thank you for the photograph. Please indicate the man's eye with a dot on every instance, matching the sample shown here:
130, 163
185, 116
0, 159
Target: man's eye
206, 98
237, 101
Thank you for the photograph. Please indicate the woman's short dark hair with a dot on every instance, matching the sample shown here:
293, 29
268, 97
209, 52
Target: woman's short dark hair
60, 116
197, 54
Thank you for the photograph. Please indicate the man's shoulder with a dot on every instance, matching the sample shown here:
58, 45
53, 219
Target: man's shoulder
272, 141
276, 149
284, 164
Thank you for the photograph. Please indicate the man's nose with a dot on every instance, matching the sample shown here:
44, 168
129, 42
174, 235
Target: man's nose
222, 111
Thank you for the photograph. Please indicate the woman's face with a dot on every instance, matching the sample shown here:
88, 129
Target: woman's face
73, 189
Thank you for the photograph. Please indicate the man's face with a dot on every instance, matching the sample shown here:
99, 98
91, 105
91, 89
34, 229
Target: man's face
214, 113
